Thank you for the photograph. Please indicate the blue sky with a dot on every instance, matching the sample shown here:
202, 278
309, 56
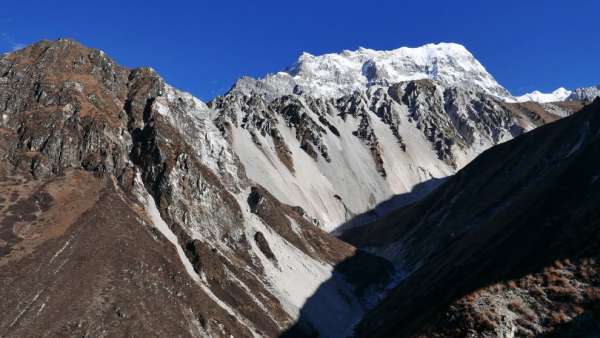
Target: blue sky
203, 46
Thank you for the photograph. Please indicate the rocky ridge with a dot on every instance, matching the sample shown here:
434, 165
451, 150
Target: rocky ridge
229, 254
587, 94
583, 94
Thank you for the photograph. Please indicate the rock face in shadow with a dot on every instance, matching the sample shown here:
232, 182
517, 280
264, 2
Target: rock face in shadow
508, 245
418, 192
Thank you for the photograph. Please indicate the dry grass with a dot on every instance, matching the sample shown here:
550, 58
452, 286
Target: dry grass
563, 293
483, 321
540, 301
537, 292
592, 294
558, 317
518, 307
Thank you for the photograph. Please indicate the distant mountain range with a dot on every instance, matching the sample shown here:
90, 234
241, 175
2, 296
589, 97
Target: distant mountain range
586, 94
448, 64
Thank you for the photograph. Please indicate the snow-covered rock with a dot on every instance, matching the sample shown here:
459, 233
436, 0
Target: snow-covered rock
335, 75
559, 94
585, 93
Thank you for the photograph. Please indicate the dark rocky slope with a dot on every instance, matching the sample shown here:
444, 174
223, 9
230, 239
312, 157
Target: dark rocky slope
509, 246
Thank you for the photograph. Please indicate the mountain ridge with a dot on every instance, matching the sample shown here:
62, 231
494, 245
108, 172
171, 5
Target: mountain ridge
338, 74
239, 194
560, 94
586, 94
175, 217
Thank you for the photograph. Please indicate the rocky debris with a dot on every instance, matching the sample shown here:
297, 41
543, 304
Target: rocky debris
382, 105
283, 151
562, 300
355, 106
453, 123
308, 132
330, 126
366, 133
453, 119
306, 238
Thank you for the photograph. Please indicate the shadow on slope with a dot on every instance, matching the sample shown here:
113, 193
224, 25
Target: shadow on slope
586, 325
418, 192
508, 216
367, 275
512, 212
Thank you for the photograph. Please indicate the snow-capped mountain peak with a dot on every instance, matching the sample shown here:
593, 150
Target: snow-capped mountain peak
338, 74
559, 94
585, 93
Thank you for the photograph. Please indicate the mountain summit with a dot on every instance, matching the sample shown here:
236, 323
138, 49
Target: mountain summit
335, 75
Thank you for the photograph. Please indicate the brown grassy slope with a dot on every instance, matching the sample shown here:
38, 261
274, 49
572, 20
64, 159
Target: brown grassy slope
98, 268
